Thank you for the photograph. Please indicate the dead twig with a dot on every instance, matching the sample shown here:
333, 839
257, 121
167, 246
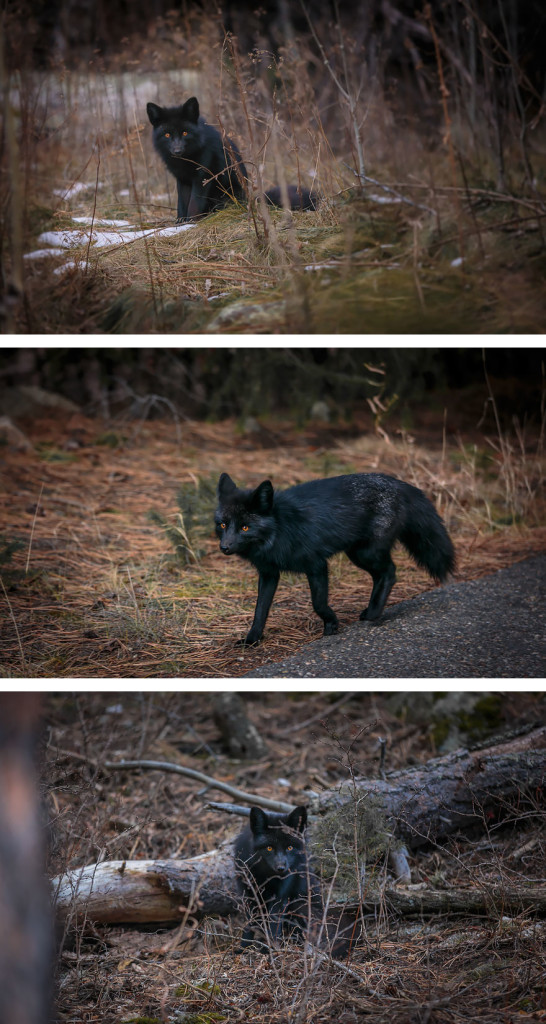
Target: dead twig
168, 766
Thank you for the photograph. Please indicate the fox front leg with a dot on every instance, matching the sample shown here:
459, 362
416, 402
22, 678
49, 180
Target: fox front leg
267, 585
184, 193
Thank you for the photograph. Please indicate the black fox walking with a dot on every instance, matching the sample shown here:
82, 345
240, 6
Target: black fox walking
273, 870
209, 170
297, 530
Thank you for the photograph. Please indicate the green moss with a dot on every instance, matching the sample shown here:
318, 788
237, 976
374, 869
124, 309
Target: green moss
194, 519
347, 837
209, 987
208, 1017
486, 717
141, 1020
440, 732
111, 439
49, 453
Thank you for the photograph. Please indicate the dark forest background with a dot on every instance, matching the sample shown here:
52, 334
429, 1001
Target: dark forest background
394, 35
318, 382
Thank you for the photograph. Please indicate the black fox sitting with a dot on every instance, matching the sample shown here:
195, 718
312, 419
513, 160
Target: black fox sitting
209, 170
273, 870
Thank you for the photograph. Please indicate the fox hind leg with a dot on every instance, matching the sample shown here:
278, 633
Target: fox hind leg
381, 568
318, 585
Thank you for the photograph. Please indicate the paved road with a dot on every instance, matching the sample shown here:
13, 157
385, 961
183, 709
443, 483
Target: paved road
491, 627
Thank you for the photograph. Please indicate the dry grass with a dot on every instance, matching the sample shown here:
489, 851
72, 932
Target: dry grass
95, 588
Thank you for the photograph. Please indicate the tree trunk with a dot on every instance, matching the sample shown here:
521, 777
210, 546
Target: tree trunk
25, 912
423, 804
241, 738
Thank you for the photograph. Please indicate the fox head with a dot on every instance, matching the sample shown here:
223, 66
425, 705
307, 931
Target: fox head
278, 843
243, 518
177, 131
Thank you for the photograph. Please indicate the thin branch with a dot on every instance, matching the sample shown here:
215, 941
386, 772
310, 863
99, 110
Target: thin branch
390, 190
239, 794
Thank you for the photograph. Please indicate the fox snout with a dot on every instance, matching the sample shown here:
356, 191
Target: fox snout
281, 864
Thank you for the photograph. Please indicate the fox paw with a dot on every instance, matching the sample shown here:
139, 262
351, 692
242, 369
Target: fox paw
250, 640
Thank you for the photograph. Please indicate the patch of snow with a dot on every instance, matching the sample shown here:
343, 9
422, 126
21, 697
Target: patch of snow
164, 232
102, 220
71, 239
101, 238
67, 239
383, 198
70, 265
321, 266
457, 262
39, 253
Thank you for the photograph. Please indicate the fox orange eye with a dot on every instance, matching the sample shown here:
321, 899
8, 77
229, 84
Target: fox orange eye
167, 135
244, 528
269, 849
222, 526
184, 133
289, 847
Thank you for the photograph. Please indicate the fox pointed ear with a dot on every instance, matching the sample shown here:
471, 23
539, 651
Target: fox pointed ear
262, 497
258, 820
154, 112
190, 110
297, 819
226, 486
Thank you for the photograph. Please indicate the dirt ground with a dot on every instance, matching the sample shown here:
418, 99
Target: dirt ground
92, 587
448, 969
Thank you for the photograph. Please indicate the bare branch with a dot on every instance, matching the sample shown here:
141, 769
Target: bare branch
168, 766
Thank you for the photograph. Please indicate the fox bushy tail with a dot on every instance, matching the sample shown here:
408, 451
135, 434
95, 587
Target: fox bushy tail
426, 538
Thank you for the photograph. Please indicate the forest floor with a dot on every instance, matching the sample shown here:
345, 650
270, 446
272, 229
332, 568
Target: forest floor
358, 264
486, 968
110, 568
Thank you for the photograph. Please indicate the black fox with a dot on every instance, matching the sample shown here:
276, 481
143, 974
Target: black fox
273, 870
297, 530
208, 170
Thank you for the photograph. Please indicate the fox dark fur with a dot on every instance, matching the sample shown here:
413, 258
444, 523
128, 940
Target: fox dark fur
273, 871
209, 169
297, 530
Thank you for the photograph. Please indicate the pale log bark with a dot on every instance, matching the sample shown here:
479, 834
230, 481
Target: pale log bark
138, 891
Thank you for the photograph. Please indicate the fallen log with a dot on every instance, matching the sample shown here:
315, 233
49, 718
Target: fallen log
499, 900
141, 891
421, 804
458, 791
